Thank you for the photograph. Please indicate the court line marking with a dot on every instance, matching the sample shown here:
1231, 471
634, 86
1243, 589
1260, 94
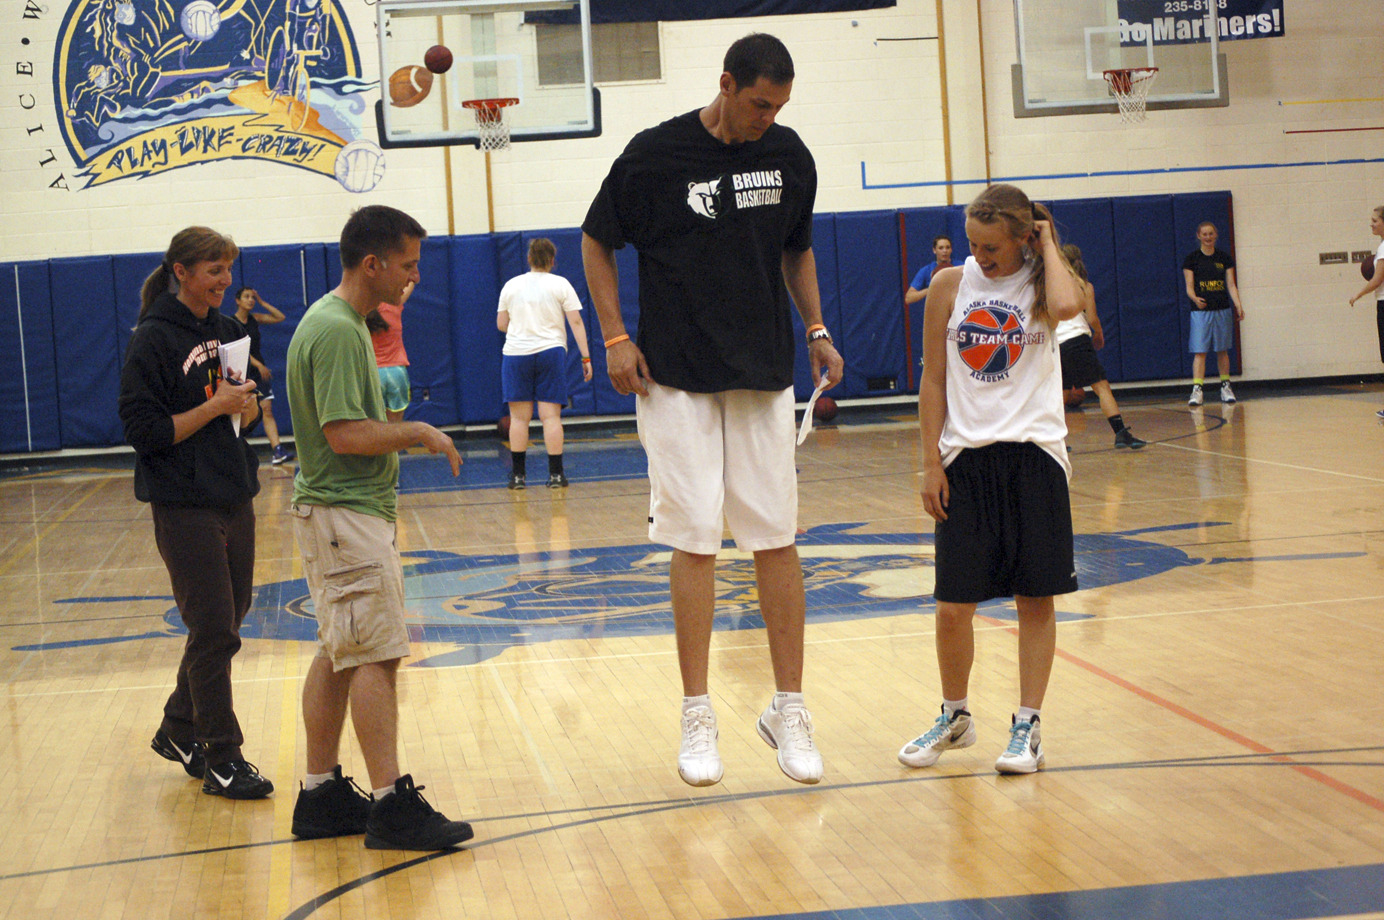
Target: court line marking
1215, 760
1287, 466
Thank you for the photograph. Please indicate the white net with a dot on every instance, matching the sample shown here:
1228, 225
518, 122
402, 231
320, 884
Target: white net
1131, 91
491, 127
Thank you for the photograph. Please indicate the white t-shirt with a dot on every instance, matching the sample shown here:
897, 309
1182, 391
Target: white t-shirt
537, 304
1004, 376
1379, 254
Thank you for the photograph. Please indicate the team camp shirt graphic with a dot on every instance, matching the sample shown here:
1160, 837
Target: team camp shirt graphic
753, 189
991, 339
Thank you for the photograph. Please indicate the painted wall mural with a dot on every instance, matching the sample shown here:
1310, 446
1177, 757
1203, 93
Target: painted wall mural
146, 86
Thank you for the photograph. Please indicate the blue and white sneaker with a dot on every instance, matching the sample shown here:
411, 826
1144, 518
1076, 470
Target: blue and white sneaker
955, 731
1025, 751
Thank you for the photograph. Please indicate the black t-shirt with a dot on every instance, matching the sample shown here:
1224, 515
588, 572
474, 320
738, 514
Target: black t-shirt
1208, 277
711, 222
252, 329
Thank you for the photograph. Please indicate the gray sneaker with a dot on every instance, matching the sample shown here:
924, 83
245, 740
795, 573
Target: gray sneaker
1025, 751
1227, 394
954, 731
1195, 398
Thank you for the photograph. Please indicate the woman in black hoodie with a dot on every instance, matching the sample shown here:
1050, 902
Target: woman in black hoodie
200, 479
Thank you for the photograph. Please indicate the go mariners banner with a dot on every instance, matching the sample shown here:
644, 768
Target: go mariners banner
1181, 22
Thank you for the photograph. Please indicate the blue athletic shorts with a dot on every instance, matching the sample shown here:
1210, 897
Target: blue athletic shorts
541, 377
394, 382
1212, 330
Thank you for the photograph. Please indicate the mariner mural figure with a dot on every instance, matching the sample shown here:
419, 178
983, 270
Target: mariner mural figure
144, 86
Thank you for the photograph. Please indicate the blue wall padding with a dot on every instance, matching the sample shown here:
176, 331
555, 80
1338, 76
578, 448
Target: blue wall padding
78, 312
276, 273
824, 251
476, 342
1089, 223
84, 343
1188, 211
129, 272
1152, 342
428, 339
872, 332
28, 376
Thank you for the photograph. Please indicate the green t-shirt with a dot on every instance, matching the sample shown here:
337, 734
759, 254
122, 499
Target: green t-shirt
331, 377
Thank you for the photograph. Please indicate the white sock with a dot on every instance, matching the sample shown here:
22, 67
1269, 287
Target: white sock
950, 707
689, 701
1027, 714
381, 793
782, 699
313, 780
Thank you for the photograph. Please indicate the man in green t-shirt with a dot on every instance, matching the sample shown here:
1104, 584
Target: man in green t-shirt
344, 513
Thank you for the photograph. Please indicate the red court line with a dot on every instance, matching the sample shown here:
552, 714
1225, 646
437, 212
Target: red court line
1363, 798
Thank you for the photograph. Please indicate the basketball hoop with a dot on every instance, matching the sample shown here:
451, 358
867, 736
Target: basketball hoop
1130, 87
491, 128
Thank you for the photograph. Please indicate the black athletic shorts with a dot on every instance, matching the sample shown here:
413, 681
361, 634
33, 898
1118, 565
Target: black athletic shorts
1008, 529
1080, 366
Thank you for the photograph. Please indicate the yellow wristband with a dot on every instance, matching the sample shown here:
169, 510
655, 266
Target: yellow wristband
617, 340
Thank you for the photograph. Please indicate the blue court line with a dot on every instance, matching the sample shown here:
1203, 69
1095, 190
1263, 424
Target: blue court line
865, 182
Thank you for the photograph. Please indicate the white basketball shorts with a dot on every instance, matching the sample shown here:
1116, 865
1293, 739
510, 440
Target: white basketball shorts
715, 454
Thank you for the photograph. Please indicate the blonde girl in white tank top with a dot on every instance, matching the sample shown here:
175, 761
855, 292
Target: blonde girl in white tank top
1018, 283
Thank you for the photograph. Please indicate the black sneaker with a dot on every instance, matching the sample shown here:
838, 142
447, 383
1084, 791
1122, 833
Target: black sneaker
337, 808
1126, 438
405, 821
190, 756
236, 779
516, 480
557, 481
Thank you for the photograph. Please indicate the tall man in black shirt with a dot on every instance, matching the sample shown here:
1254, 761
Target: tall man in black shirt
718, 203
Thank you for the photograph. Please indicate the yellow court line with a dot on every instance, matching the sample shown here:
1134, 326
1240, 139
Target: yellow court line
32, 546
1286, 466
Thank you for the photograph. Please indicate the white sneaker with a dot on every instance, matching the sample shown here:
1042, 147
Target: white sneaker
946, 733
1025, 751
1227, 394
789, 730
1195, 398
699, 762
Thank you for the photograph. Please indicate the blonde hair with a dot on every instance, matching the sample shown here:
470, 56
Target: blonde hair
1072, 253
188, 247
1007, 204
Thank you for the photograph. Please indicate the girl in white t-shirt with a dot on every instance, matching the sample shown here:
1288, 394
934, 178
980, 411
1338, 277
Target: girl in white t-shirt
995, 460
1375, 282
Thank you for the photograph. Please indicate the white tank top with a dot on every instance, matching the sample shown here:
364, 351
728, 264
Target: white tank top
1004, 377
1069, 329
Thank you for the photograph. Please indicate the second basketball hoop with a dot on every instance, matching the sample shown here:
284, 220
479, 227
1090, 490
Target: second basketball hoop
1130, 86
491, 126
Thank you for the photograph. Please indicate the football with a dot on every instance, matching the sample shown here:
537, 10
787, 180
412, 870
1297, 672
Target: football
409, 86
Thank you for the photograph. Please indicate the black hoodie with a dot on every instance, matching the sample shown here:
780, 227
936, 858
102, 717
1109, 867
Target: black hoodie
172, 366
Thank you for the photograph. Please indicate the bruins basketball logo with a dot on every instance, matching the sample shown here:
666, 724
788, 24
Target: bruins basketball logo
990, 339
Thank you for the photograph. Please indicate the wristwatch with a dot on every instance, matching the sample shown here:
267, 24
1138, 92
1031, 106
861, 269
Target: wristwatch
817, 334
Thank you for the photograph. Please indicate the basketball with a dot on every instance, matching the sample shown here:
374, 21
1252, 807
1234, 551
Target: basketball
1074, 397
200, 20
438, 59
1367, 269
409, 86
825, 410
359, 166
502, 426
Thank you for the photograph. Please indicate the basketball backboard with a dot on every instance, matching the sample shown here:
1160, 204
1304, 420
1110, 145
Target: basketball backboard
498, 52
1066, 45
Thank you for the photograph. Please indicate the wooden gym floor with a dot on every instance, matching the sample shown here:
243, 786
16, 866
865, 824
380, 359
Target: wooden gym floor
1212, 728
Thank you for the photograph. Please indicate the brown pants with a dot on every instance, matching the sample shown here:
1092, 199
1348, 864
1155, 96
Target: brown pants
210, 555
